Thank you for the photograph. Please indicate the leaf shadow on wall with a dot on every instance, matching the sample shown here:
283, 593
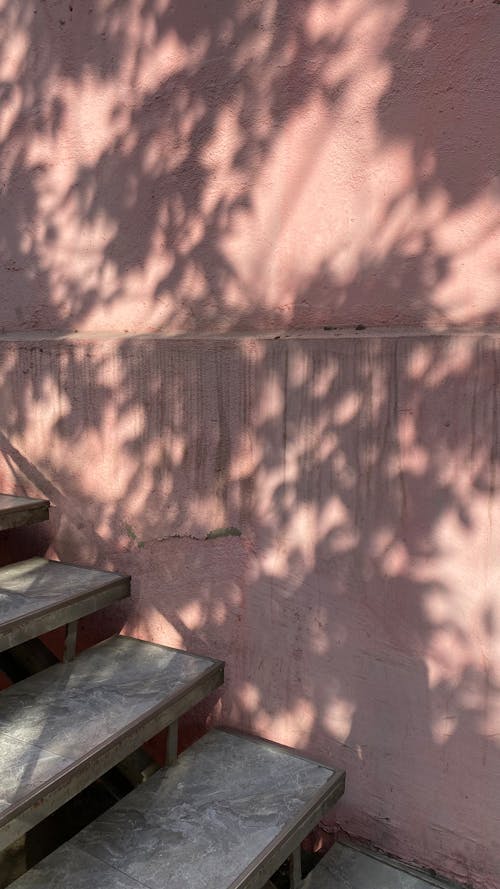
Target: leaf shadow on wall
141, 143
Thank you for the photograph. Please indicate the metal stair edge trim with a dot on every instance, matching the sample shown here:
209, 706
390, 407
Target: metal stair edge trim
20, 515
33, 624
52, 794
271, 858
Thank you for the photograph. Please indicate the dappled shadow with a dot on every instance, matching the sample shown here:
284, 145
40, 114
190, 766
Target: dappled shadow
232, 168
161, 163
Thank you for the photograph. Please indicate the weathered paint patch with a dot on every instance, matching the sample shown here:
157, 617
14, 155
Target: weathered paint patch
223, 532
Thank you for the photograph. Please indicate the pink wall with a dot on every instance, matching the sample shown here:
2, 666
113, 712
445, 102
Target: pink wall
241, 167
359, 611
243, 164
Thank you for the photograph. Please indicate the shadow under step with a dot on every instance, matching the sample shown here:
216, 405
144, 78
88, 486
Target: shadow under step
18, 511
38, 595
225, 816
64, 727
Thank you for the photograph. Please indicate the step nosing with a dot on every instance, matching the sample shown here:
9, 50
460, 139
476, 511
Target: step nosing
179, 685
16, 511
173, 826
337, 779
40, 594
37, 504
59, 605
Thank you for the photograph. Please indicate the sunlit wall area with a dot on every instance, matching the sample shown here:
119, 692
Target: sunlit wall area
247, 164
250, 278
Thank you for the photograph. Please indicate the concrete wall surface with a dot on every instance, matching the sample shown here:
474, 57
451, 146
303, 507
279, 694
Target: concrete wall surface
246, 164
358, 611
250, 284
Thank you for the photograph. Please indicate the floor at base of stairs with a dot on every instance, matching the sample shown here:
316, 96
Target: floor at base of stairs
346, 867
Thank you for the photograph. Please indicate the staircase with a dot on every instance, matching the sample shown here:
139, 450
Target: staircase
224, 815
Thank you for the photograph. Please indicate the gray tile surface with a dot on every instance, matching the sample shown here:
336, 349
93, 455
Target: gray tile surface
53, 720
38, 589
24, 766
17, 511
11, 503
76, 870
200, 825
348, 868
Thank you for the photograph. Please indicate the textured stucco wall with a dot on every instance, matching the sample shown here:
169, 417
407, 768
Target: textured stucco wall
358, 611
274, 166
246, 164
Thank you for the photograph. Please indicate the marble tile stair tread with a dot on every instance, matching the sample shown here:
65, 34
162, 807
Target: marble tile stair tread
225, 816
18, 511
64, 727
346, 867
37, 595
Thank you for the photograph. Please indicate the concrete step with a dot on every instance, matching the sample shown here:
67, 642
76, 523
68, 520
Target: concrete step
225, 816
64, 727
38, 595
17, 511
346, 867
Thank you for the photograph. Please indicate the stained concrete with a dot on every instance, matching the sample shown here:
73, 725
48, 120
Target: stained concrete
204, 824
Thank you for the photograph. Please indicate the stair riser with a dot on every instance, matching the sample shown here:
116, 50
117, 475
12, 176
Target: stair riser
88, 770
43, 622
